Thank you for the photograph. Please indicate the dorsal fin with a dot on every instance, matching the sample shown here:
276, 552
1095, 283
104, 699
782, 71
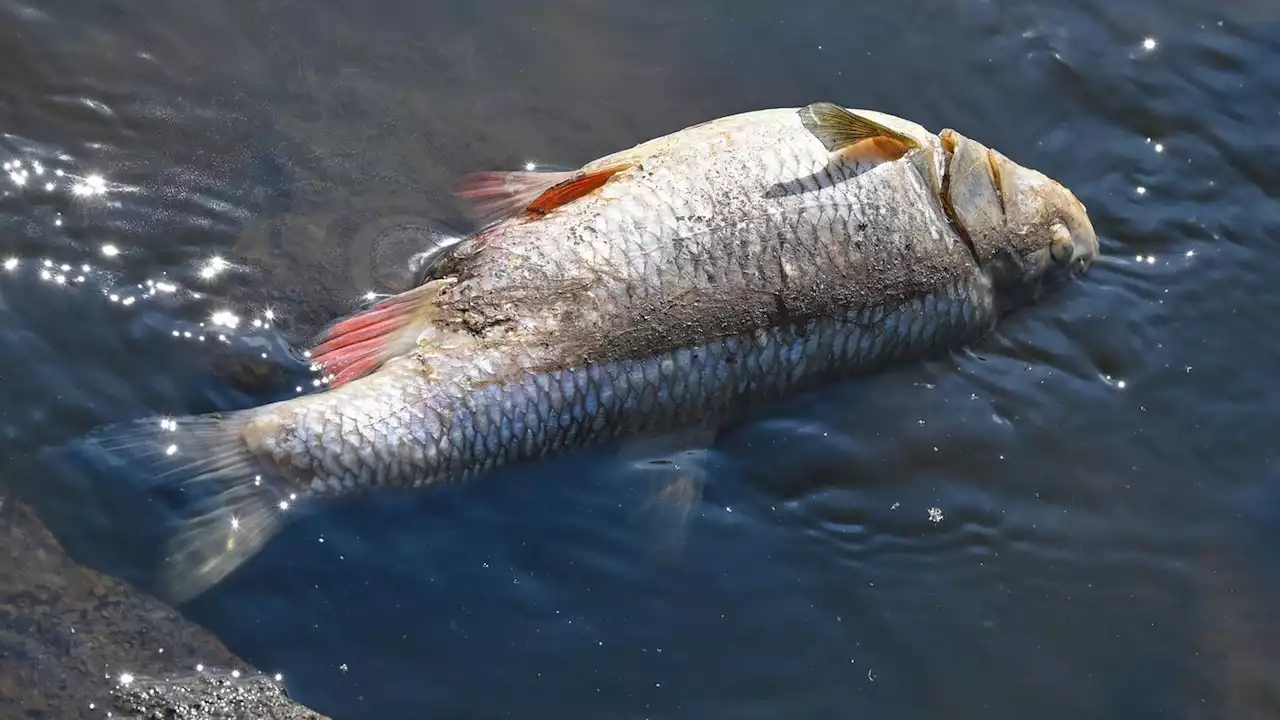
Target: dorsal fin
850, 134
495, 196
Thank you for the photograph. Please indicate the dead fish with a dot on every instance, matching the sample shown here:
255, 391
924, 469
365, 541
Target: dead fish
672, 285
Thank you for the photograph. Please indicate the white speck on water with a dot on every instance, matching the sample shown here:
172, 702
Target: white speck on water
110, 250
92, 185
126, 678
225, 318
1149, 44
11, 264
213, 268
1140, 190
935, 514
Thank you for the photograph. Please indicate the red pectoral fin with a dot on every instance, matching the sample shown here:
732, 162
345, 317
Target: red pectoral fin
496, 196
573, 188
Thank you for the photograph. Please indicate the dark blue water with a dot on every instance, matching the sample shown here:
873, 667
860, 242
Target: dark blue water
1077, 519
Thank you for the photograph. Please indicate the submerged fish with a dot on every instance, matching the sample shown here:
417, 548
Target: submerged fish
672, 285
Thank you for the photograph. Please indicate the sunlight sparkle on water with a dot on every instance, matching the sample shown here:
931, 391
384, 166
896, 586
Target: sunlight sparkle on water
110, 250
90, 186
1149, 44
225, 318
11, 263
213, 268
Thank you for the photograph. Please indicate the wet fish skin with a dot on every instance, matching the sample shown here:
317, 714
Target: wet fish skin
651, 302
743, 220
336, 442
401, 428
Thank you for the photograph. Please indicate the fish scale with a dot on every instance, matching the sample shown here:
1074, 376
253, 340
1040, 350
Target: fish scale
673, 285
464, 429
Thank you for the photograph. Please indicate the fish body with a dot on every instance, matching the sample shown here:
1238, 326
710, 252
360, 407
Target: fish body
677, 283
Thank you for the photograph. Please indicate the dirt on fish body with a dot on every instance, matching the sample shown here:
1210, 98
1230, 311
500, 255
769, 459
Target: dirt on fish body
671, 285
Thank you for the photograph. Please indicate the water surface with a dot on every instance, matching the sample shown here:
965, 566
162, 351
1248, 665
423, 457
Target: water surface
1076, 519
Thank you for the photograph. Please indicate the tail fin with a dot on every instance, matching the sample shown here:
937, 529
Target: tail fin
244, 506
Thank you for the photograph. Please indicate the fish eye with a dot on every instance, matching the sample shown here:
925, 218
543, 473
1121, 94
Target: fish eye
1061, 248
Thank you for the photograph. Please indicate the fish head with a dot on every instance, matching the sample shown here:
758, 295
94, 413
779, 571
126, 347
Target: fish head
1025, 227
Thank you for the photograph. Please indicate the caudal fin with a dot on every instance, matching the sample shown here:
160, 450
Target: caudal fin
239, 506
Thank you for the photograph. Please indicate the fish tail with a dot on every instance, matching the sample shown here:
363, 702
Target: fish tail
239, 505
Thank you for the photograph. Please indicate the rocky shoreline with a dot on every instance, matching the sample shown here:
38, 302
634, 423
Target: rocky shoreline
77, 644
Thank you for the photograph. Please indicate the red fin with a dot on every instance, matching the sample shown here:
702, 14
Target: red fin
569, 190
495, 196
359, 344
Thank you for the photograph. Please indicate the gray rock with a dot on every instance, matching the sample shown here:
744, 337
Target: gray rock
69, 634
206, 696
